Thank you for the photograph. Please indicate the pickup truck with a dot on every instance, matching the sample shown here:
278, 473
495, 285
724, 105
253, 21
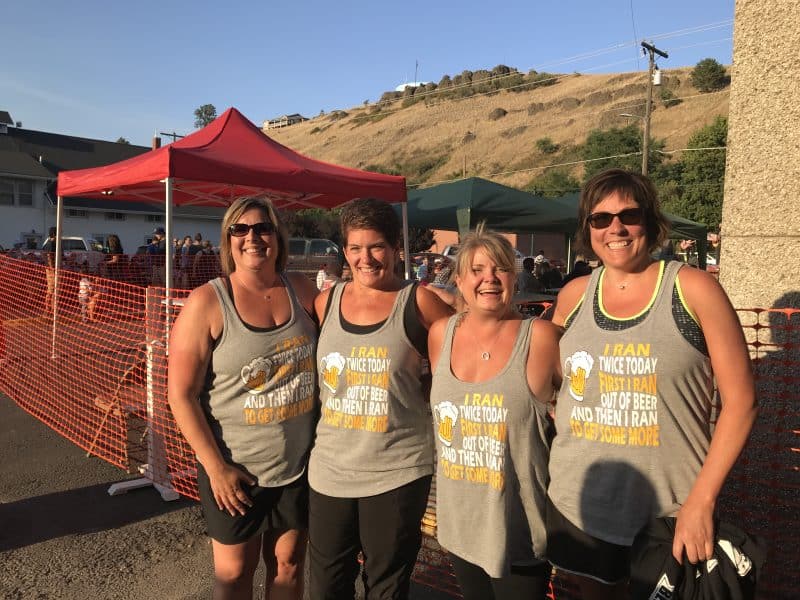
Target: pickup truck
78, 251
307, 255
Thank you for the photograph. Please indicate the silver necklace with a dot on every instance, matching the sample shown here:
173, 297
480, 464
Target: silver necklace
485, 354
264, 295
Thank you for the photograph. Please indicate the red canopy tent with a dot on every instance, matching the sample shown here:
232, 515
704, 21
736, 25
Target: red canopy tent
229, 158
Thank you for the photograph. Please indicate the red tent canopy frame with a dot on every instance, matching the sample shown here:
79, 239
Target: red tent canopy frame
227, 159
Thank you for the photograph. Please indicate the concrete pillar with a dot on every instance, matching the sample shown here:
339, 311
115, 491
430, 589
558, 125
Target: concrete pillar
760, 262
760, 268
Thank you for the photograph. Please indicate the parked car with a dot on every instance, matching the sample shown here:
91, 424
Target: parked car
78, 251
308, 255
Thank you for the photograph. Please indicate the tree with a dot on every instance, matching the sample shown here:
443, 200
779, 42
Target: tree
554, 183
122, 140
703, 176
708, 75
419, 239
203, 115
615, 143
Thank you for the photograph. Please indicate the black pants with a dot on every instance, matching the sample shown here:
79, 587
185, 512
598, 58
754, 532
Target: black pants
524, 583
385, 528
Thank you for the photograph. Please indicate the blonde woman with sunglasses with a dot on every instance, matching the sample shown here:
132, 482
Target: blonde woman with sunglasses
242, 390
644, 343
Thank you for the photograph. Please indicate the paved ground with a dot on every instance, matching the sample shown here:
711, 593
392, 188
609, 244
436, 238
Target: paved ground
63, 536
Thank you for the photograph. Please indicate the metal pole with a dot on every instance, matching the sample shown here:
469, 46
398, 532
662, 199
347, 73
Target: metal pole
168, 257
406, 245
56, 269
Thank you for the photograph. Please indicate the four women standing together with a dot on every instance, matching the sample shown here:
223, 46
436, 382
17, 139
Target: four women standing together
632, 440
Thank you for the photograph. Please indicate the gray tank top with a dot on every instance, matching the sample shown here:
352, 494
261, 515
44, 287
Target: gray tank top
491, 475
259, 392
374, 433
632, 418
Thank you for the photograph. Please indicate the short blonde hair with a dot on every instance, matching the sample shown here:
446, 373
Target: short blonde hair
494, 244
234, 212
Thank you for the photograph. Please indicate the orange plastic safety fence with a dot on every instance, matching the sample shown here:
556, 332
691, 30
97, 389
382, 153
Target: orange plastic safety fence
86, 353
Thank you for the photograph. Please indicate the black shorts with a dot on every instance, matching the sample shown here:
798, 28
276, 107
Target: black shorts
573, 551
274, 508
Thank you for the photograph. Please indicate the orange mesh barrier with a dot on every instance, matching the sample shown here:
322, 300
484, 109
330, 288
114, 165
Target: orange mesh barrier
86, 354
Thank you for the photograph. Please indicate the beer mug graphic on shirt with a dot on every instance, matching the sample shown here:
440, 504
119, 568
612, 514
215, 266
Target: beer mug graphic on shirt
446, 415
256, 375
577, 368
331, 366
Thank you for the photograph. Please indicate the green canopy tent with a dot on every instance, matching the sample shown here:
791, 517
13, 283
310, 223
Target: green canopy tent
460, 205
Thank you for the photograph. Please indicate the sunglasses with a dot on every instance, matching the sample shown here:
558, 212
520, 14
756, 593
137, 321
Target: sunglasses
629, 216
242, 229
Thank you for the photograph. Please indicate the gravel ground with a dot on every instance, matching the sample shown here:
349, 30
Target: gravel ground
63, 536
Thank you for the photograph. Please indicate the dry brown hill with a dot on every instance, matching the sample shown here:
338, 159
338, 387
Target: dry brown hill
440, 139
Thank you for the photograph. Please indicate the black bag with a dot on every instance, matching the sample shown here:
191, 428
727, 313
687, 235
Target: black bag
731, 574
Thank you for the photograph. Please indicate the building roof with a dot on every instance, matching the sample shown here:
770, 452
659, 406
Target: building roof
41, 155
22, 165
5, 118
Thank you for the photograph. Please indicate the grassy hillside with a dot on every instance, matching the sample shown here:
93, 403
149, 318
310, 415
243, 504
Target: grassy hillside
437, 140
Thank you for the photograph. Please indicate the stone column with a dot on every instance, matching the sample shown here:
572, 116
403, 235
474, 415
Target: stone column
760, 263
760, 269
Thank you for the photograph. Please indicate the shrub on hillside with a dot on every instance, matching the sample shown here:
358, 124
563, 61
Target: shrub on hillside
708, 76
546, 146
497, 113
554, 183
668, 98
337, 114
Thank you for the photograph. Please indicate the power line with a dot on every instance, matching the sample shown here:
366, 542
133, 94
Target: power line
567, 164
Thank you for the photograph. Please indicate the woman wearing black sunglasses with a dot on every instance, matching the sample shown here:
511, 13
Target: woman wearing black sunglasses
241, 388
644, 343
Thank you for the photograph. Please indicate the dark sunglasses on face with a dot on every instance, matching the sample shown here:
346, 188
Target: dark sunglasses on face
629, 216
242, 229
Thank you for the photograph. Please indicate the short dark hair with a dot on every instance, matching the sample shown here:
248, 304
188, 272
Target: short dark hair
371, 213
528, 263
630, 185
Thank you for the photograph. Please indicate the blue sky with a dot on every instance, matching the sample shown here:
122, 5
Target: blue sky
101, 69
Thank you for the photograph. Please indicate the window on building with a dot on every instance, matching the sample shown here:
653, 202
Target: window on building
115, 216
6, 191
25, 192
76, 213
154, 218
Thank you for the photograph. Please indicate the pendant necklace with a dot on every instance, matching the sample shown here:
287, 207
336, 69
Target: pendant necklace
264, 295
485, 354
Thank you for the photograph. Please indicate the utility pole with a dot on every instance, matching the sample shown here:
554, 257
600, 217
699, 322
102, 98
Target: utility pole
175, 136
652, 51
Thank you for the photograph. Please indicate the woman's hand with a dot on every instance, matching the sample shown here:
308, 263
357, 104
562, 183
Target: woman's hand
694, 531
228, 493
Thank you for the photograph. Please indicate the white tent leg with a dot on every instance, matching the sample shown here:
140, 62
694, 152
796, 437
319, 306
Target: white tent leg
57, 268
405, 240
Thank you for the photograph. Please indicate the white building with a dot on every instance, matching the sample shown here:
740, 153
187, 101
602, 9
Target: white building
29, 166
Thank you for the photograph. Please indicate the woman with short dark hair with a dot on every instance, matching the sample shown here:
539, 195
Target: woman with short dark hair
645, 343
370, 468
